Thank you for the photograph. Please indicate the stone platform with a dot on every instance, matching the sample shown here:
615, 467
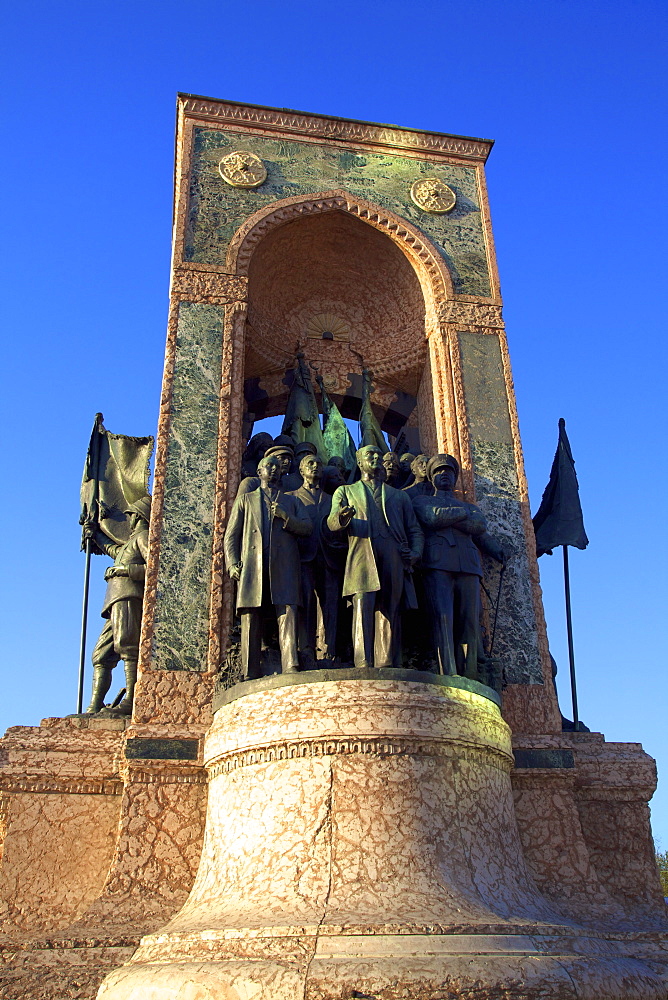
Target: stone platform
361, 840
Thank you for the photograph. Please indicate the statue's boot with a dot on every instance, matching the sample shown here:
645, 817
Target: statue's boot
125, 707
101, 684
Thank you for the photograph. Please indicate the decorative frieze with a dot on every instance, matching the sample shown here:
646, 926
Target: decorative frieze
380, 746
289, 123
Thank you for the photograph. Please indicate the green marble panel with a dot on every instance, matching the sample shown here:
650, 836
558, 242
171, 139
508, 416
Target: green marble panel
152, 749
182, 606
294, 168
497, 493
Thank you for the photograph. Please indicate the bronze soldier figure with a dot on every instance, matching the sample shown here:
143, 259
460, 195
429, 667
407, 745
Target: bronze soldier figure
384, 543
119, 639
452, 568
320, 583
285, 454
262, 555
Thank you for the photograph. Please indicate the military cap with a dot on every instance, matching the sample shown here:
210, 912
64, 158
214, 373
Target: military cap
141, 507
306, 446
441, 461
279, 449
284, 439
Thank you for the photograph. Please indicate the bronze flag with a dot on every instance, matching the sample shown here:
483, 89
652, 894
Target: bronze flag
370, 431
559, 520
115, 475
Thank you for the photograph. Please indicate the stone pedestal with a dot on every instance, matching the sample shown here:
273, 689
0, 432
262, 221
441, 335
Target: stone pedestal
361, 841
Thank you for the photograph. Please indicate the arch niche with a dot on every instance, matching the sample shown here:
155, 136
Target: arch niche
348, 283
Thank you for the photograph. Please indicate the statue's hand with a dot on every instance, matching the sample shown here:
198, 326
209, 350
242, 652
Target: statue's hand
114, 572
278, 511
495, 549
88, 530
235, 571
346, 514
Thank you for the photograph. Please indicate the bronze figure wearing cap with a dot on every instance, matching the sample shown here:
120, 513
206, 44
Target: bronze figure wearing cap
119, 639
262, 555
452, 568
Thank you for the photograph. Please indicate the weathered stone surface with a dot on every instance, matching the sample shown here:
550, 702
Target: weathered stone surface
361, 839
498, 495
44, 971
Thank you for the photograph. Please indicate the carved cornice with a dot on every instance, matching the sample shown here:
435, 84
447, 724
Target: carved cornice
165, 773
294, 123
191, 284
62, 786
380, 746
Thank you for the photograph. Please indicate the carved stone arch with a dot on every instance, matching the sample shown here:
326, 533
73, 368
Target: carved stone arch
428, 264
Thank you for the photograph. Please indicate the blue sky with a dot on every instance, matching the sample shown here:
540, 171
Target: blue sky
574, 93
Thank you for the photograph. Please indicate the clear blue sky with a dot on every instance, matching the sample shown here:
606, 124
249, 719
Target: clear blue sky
574, 93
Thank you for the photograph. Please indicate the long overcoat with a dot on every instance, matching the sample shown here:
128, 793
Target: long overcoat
243, 543
361, 575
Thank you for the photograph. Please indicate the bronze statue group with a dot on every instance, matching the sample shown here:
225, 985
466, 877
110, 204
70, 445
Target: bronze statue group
376, 571
379, 571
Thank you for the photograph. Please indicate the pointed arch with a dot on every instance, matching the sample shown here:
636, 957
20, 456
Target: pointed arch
428, 264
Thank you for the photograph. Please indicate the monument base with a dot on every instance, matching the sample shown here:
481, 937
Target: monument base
361, 841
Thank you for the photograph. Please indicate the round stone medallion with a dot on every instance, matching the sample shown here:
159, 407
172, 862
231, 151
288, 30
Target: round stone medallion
242, 169
431, 194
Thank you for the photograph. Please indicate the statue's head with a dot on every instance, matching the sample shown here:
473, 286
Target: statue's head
338, 463
332, 478
284, 453
370, 460
419, 467
302, 449
269, 470
443, 471
391, 464
140, 510
406, 461
310, 468
258, 445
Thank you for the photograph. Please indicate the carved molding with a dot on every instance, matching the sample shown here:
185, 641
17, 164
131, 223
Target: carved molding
430, 268
381, 746
63, 786
166, 776
291, 123
211, 287
472, 314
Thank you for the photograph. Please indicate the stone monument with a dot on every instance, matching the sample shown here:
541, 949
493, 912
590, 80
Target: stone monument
337, 832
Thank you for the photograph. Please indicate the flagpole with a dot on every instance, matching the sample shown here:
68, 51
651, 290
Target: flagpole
92, 463
84, 623
569, 629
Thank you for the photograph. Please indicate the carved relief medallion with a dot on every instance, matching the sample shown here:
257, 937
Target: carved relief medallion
431, 194
242, 169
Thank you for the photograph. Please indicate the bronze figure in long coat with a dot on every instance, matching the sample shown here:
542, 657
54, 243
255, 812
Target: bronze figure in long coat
384, 543
321, 575
262, 555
